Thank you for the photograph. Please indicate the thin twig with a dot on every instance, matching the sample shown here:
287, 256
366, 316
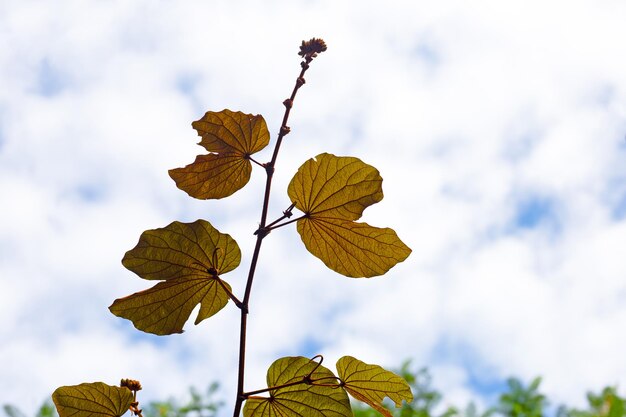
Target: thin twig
229, 292
262, 230
286, 223
286, 214
259, 391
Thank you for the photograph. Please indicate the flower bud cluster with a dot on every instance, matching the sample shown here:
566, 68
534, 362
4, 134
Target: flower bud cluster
310, 49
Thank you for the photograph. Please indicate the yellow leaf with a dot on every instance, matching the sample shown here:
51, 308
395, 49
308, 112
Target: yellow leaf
335, 187
350, 248
94, 399
301, 399
188, 257
371, 384
333, 191
213, 176
230, 137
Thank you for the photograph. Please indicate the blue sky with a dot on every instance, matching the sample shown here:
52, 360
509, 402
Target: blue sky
498, 128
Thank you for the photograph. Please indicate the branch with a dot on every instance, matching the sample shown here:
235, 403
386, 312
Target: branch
308, 51
286, 214
289, 384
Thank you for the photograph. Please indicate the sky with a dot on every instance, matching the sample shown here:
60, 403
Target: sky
499, 129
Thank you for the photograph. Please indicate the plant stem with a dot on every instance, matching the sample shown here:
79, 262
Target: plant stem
251, 159
229, 292
286, 214
305, 380
259, 391
276, 226
260, 234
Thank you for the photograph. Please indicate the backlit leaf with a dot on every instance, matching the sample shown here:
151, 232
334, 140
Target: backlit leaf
94, 399
335, 187
230, 137
300, 399
350, 248
371, 384
188, 257
333, 191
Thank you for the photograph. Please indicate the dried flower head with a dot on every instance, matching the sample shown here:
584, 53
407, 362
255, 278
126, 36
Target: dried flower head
131, 384
312, 47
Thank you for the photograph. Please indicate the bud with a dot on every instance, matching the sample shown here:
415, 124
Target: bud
312, 47
131, 384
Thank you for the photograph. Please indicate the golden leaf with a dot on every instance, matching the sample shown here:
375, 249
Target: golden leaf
230, 137
95, 399
188, 257
333, 191
300, 399
371, 384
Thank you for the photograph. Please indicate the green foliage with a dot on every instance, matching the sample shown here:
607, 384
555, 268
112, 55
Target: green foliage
517, 400
426, 402
189, 258
607, 403
47, 409
199, 405
522, 401
12, 411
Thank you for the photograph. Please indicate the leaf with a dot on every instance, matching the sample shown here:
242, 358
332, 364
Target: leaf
332, 186
371, 384
188, 257
333, 191
95, 399
230, 137
300, 399
350, 248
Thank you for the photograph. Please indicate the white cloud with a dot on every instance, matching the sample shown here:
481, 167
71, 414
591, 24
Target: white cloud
467, 110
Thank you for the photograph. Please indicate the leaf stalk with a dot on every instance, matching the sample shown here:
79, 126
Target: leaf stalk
235, 300
286, 215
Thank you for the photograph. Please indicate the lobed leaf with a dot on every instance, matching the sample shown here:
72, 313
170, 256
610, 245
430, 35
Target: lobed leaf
333, 191
188, 257
336, 187
230, 137
371, 384
213, 176
300, 399
350, 248
95, 399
